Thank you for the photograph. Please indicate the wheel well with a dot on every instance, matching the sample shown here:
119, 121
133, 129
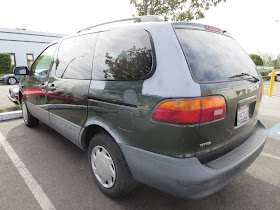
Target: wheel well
91, 131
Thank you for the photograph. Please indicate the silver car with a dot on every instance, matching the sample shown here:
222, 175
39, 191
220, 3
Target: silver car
10, 79
13, 95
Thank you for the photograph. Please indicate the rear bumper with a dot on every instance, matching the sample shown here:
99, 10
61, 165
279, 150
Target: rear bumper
188, 178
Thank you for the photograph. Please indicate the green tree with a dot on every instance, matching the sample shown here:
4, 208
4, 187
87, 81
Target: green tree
276, 62
267, 59
174, 10
257, 59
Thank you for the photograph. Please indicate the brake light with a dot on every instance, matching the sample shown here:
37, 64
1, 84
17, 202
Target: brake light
212, 28
262, 89
184, 111
190, 111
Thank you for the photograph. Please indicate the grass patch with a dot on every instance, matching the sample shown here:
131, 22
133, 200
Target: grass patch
3, 74
2, 110
18, 106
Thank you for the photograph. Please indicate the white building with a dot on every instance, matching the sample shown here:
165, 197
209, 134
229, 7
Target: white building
24, 46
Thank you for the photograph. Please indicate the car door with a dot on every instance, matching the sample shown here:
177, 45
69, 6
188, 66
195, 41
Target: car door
68, 86
35, 87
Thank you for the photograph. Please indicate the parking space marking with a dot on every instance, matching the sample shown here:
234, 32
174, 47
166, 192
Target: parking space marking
274, 132
32, 184
272, 156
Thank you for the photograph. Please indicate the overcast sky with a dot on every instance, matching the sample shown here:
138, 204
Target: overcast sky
251, 22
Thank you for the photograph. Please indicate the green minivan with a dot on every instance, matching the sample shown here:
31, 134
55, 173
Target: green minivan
171, 105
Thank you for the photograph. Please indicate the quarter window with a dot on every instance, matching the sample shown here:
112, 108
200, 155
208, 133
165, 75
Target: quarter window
74, 60
122, 55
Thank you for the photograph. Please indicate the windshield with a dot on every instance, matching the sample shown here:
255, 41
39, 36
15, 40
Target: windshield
214, 57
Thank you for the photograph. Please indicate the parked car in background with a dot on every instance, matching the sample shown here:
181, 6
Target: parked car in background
277, 75
172, 105
13, 95
10, 79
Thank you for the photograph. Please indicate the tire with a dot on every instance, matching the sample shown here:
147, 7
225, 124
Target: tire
12, 81
119, 179
28, 119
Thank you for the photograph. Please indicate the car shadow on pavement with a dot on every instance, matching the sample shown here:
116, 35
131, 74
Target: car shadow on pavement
63, 172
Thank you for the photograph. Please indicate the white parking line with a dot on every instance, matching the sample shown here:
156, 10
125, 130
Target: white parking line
272, 156
33, 185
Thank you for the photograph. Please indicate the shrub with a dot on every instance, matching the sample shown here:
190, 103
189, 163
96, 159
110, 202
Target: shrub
5, 62
265, 72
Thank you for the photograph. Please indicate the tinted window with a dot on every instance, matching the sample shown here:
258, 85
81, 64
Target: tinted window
74, 58
44, 61
122, 55
214, 57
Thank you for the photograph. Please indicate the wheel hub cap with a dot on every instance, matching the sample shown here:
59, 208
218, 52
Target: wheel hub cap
12, 81
103, 167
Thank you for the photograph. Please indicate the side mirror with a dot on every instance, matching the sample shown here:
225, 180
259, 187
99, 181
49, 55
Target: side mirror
21, 70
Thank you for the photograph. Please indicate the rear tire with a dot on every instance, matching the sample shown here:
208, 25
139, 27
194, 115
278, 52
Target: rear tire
28, 119
109, 167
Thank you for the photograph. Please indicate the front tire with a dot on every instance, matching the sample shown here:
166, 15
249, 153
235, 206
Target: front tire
28, 119
12, 81
109, 167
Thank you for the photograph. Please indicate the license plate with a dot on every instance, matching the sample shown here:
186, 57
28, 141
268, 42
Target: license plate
242, 114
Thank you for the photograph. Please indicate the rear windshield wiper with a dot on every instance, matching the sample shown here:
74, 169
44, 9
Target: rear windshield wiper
245, 74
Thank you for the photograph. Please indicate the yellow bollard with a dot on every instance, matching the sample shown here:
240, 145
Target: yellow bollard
271, 83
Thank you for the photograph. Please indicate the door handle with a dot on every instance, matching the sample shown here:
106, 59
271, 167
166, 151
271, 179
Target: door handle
52, 87
43, 86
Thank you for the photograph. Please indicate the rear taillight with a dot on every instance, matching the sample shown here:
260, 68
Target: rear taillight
190, 111
262, 89
213, 108
184, 111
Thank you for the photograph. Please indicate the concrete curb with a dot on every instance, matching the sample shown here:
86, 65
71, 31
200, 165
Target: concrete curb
10, 115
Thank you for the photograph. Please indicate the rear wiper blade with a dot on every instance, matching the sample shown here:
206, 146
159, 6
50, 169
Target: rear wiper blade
245, 74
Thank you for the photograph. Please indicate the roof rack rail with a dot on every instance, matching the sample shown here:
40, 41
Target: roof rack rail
144, 18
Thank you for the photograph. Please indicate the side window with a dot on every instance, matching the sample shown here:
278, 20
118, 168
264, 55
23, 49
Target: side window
74, 59
42, 64
13, 60
30, 59
123, 55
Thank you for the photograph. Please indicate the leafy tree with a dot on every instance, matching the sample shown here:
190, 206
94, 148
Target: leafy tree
174, 10
257, 59
267, 59
276, 62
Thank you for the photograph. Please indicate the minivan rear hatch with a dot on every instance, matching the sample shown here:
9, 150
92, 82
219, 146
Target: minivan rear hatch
222, 68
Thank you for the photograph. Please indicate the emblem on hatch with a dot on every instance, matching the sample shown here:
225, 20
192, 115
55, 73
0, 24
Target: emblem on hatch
205, 144
249, 89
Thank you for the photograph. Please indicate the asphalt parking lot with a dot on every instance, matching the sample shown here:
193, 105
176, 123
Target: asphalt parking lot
41, 169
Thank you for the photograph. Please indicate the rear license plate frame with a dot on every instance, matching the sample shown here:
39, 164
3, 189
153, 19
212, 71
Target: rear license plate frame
243, 114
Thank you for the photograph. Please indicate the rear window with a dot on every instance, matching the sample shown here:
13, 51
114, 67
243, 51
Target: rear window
214, 57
